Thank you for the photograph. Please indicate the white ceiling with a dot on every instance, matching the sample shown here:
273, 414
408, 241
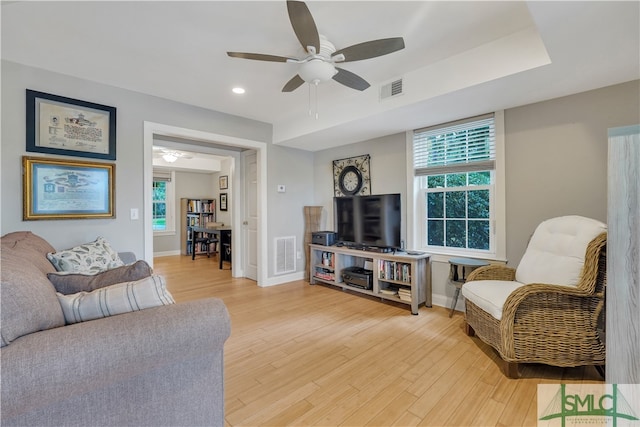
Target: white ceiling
461, 58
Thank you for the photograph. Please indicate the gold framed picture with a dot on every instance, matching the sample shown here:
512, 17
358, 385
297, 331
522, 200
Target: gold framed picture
67, 189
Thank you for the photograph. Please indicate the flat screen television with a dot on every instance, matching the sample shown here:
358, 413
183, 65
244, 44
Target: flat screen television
368, 220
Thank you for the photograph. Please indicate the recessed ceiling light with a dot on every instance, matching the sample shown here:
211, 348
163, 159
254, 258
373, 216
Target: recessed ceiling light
238, 90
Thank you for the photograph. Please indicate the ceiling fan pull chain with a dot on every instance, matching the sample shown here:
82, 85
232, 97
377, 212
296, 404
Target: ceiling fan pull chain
310, 110
316, 90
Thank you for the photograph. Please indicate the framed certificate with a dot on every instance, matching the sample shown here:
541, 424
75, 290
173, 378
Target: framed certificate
71, 127
67, 189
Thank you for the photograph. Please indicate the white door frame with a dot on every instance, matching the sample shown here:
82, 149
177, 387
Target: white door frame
151, 129
248, 247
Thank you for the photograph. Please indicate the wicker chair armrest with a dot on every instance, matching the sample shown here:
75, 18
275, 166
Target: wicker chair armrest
531, 293
492, 272
554, 309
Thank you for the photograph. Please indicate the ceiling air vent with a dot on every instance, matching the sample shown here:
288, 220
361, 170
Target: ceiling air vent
391, 89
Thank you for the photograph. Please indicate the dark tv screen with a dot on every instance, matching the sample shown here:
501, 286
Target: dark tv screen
368, 220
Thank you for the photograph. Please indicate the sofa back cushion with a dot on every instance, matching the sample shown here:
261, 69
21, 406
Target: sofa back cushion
556, 252
31, 247
29, 301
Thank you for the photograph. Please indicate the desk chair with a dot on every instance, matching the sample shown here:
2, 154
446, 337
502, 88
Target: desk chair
225, 247
202, 242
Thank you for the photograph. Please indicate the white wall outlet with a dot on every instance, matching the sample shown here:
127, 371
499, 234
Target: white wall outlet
281, 188
299, 255
134, 214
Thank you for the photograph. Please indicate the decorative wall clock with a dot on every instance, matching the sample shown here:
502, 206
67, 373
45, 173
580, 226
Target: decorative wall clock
351, 176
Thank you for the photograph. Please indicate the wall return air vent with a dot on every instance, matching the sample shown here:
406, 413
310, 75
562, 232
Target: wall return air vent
285, 248
391, 90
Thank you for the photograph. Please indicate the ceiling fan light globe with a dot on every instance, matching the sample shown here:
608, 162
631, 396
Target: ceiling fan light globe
316, 70
169, 158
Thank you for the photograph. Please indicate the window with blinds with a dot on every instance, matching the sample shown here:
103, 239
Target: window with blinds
454, 166
459, 147
162, 202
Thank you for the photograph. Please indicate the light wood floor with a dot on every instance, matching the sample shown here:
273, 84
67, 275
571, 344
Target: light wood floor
314, 355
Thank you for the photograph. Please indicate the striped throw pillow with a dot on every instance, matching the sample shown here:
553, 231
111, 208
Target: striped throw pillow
115, 299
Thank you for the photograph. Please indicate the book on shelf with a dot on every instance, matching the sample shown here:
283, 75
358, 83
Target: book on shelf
201, 206
404, 294
321, 273
392, 270
328, 259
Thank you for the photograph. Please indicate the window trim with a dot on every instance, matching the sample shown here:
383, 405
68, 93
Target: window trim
416, 211
170, 178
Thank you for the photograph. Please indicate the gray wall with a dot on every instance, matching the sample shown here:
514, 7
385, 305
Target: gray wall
556, 158
132, 110
556, 164
388, 172
294, 169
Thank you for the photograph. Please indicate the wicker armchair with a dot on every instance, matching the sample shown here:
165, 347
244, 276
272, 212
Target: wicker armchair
553, 324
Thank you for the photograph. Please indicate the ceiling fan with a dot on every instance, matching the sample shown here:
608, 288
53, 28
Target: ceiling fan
170, 156
319, 65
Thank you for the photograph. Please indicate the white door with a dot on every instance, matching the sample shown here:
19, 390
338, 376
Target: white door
250, 222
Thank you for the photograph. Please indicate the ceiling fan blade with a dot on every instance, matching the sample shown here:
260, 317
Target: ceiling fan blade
259, 57
350, 79
303, 25
371, 49
293, 84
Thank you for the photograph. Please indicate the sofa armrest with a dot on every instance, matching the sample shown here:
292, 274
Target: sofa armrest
48, 366
492, 272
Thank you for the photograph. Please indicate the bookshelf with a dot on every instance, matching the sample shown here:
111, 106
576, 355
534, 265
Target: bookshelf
398, 277
194, 213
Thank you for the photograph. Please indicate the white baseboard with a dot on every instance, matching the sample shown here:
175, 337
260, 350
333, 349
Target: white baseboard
166, 253
279, 280
445, 301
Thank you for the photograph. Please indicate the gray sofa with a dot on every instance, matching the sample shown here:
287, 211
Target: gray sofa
156, 367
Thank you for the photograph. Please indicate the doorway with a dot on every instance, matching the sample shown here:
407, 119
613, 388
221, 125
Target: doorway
157, 130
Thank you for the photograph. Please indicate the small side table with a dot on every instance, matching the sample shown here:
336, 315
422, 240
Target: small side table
459, 269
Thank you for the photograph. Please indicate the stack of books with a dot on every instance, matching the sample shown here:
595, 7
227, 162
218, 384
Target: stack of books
323, 273
404, 294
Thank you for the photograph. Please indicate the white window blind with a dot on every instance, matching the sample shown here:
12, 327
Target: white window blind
463, 146
161, 176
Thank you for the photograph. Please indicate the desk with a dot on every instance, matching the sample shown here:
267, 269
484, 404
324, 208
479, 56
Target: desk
223, 235
457, 279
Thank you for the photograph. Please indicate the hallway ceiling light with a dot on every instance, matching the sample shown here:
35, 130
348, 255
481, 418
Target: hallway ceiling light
169, 157
238, 90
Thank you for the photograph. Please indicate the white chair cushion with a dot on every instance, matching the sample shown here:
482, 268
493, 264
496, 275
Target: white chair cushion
490, 295
555, 254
